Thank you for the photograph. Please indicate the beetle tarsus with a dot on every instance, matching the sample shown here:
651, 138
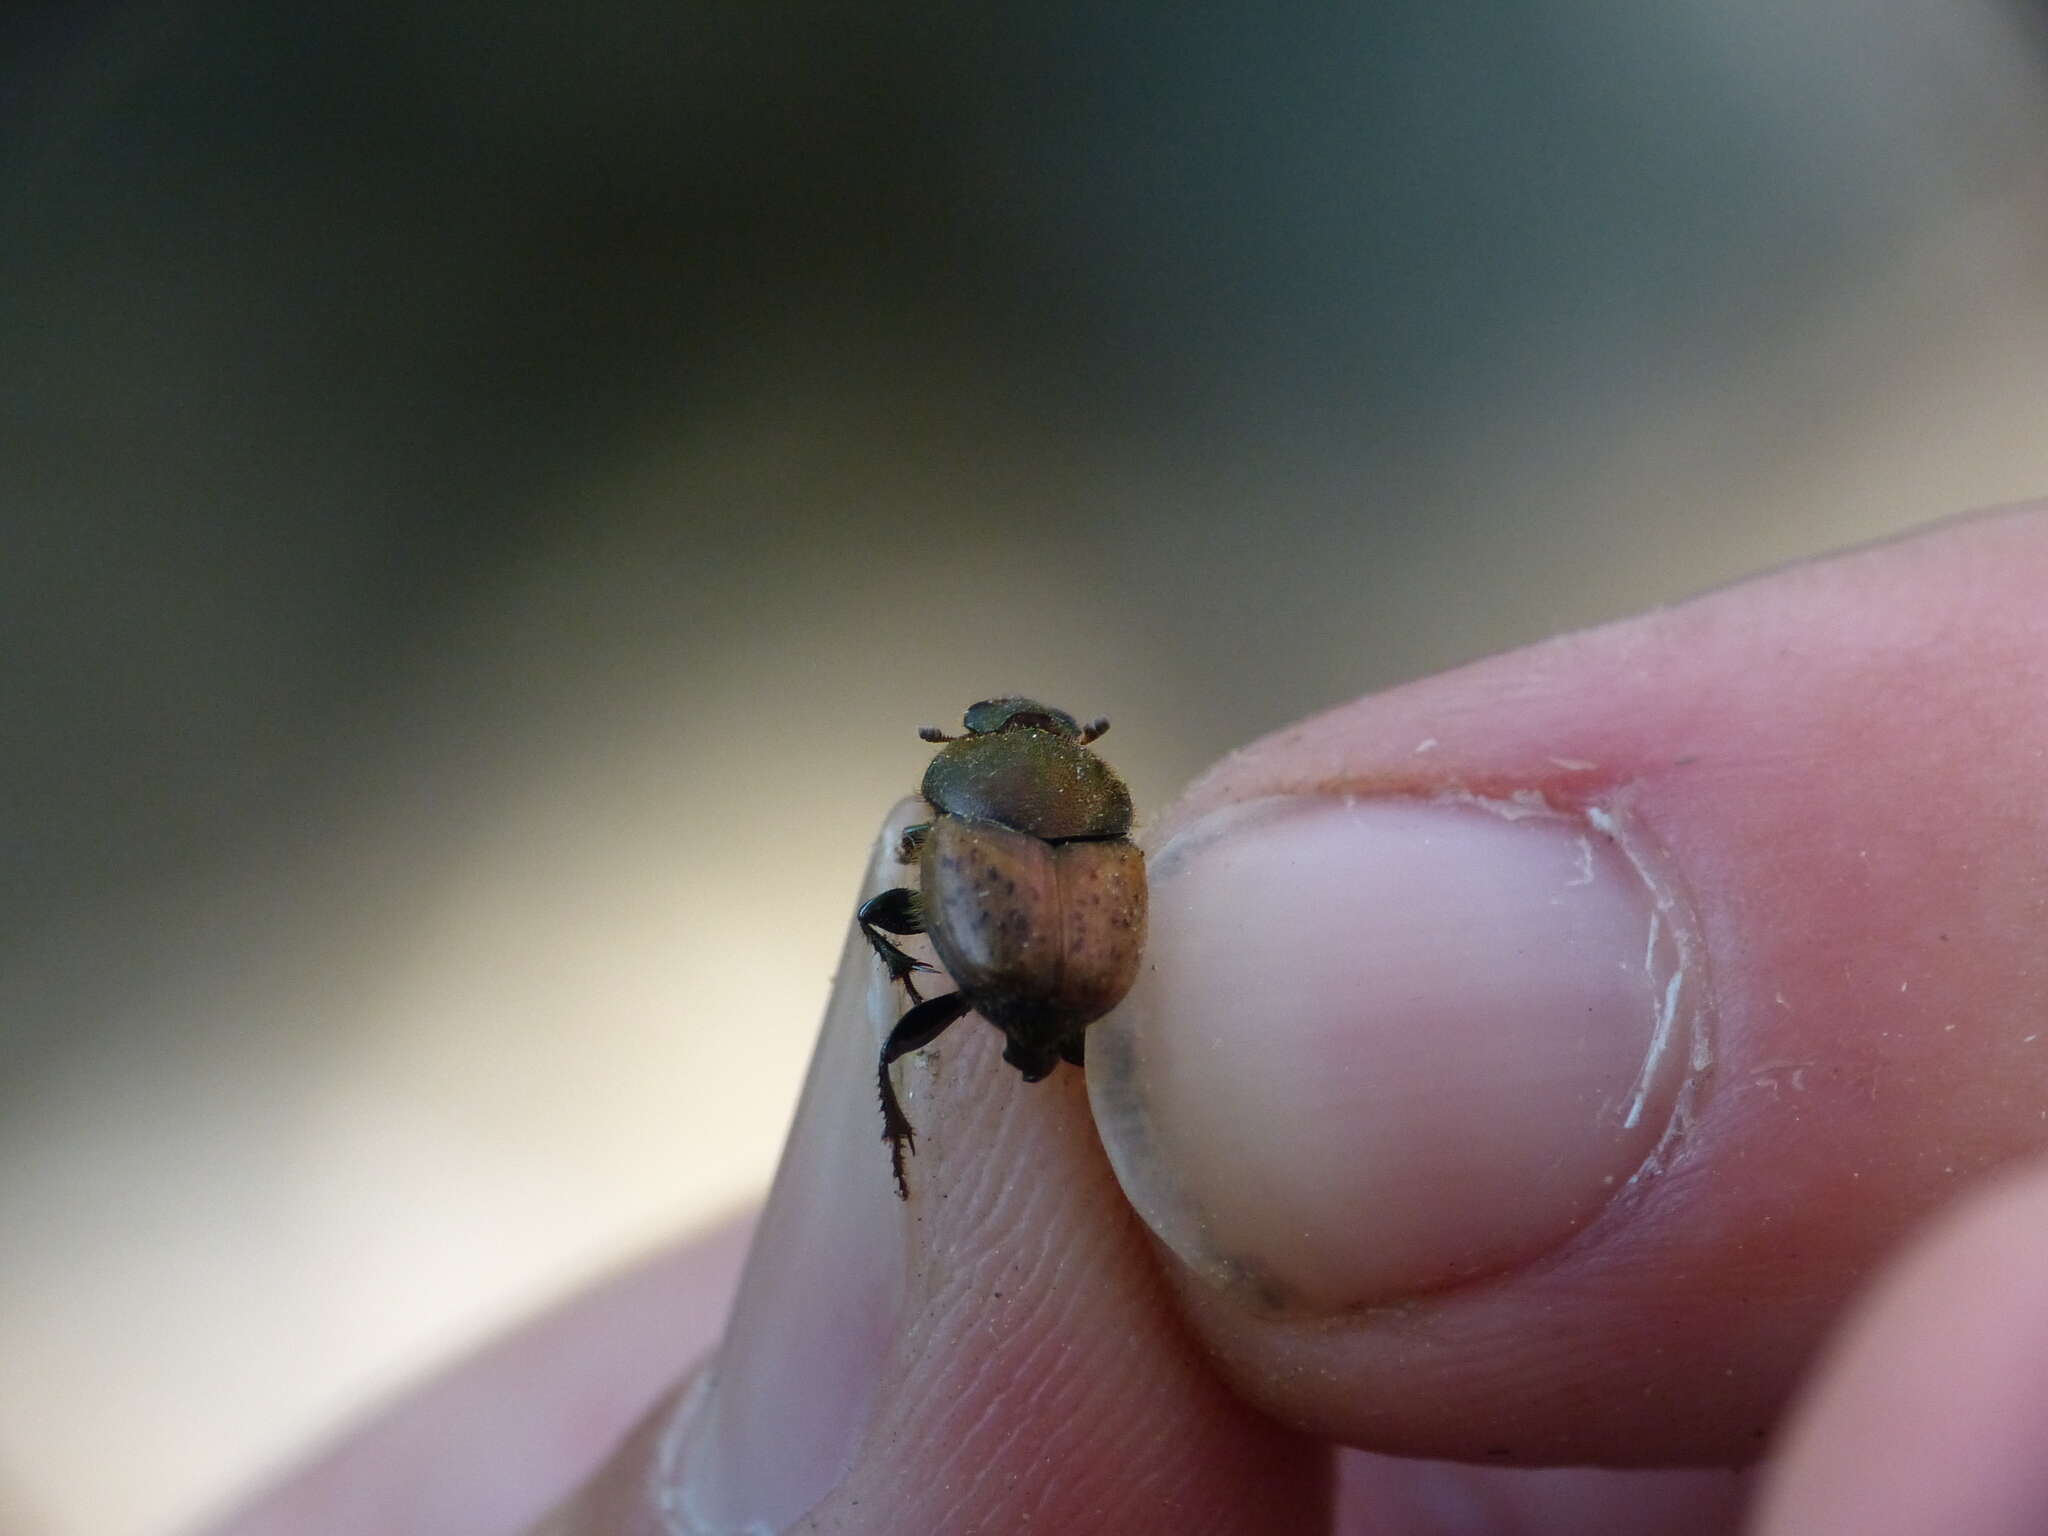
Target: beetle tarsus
911, 843
915, 1030
897, 1132
897, 911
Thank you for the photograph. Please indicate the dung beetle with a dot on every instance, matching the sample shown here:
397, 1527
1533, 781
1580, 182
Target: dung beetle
1029, 885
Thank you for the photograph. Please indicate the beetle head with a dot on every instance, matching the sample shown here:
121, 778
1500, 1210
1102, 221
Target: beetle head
992, 715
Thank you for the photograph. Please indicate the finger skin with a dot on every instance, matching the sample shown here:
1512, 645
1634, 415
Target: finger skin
1846, 764
1042, 1380
997, 1351
1927, 1413
452, 1457
499, 1437
1384, 1496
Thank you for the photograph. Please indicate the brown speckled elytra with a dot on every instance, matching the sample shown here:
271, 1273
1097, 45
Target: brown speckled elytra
1029, 885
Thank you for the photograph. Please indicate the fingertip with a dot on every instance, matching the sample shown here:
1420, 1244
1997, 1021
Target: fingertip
1365, 1093
995, 1353
1925, 1412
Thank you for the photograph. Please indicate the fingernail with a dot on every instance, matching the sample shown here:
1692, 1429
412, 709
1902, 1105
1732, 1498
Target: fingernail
772, 1426
1383, 1047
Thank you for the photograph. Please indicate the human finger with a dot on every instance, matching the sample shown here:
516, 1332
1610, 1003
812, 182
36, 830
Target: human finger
1530, 1061
995, 1353
490, 1443
1927, 1413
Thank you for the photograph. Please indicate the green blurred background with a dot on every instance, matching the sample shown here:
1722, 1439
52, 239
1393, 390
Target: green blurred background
489, 492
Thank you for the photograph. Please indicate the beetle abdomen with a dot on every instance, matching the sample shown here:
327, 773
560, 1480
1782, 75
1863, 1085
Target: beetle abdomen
1042, 937
1029, 780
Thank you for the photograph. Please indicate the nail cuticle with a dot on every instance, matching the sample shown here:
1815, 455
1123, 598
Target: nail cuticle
1686, 1024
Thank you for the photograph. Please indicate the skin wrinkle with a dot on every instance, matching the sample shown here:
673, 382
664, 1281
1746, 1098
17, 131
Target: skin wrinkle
1046, 1454
1078, 1441
959, 1333
1002, 1206
1013, 1394
1051, 1331
1162, 1313
944, 1325
1048, 1385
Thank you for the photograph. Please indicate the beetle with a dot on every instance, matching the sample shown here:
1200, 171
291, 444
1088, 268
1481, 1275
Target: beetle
1028, 884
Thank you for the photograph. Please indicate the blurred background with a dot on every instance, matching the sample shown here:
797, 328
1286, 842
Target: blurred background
489, 491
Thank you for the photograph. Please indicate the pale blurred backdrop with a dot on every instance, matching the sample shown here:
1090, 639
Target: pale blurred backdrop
488, 492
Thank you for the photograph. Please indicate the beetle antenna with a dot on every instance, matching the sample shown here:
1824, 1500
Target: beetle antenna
933, 733
1093, 729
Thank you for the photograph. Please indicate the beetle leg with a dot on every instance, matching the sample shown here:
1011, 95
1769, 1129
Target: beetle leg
897, 911
1074, 1049
915, 1030
1093, 730
911, 843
